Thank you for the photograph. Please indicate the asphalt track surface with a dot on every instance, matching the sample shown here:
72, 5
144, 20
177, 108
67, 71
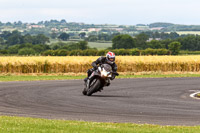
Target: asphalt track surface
163, 101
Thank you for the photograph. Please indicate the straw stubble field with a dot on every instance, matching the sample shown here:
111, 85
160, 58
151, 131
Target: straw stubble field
80, 64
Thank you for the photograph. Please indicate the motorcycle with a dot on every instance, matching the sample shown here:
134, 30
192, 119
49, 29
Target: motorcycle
98, 79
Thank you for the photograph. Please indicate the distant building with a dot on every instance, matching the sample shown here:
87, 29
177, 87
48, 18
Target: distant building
94, 29
117, 29
157, 28
142, 28
84, 30
54, 29
36, 26
64, 29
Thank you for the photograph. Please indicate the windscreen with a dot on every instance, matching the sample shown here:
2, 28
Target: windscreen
107, 67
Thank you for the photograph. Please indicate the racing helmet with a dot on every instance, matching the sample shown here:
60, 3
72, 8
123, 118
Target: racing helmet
110, 57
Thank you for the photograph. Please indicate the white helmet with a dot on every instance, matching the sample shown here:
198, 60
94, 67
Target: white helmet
110, 56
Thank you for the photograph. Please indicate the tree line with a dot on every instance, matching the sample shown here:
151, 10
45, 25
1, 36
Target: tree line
14, 43
15, 37
95, 52
141, 41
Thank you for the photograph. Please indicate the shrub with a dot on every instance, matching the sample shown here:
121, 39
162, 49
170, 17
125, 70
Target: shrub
26, 51
134, 52
90, 52
102, 52
48, 52
4, 51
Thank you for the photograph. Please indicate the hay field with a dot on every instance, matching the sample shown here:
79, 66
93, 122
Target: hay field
80, 64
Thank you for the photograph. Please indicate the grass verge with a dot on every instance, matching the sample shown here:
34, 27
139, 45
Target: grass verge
71, 77
35, 78
10, 124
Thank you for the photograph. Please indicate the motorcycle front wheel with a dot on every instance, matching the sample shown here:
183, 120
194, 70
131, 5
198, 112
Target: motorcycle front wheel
94, 87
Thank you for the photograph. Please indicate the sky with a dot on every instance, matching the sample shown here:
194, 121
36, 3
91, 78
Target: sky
120, 12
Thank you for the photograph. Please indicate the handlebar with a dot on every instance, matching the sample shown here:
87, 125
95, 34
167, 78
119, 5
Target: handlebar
117, 74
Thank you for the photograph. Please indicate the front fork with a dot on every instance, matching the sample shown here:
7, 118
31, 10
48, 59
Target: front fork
106, 83
89, 79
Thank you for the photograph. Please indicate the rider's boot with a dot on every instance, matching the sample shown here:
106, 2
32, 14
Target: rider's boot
85, 80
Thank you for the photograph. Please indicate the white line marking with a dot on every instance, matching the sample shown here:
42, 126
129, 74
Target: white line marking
193, 95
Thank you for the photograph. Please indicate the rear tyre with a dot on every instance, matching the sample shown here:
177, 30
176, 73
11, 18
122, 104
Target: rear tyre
94, 87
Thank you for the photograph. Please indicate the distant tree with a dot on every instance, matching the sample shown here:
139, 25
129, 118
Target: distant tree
190, 42
73, 46
1, 23
3, 51
82, 35
173, 35
40, 39
166, 42
160, 25
39, 48
141, 40
140, 25
54, 21
13, 49
83, 45
174, 47
15, 38
55, 46
92, 38
64, 36
130, 28
104, 37
1, 41
27, 45
40, 23
28, 38
19, 23
63, 21
123, 41
8, 24
154, 44
5, 34
53, 35
26, 51
114, 34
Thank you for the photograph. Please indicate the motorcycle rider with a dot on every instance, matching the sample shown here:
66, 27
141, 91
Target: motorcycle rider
109, 59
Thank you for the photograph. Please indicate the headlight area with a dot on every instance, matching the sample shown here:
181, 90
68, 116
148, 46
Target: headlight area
104, 73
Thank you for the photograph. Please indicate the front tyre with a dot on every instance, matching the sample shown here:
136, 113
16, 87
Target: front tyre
84, 92
93, 88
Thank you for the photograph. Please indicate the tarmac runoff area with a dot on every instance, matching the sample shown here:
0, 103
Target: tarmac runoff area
163, 101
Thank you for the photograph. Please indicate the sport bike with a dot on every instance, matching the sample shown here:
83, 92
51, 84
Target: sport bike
98, 79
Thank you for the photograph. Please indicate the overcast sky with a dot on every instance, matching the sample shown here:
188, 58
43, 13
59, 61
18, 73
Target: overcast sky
128, 12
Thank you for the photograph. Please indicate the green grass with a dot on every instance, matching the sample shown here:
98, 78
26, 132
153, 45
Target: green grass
159, 76
99, 45
69, 77
56, 40
32, 78
35, 125
187, 32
